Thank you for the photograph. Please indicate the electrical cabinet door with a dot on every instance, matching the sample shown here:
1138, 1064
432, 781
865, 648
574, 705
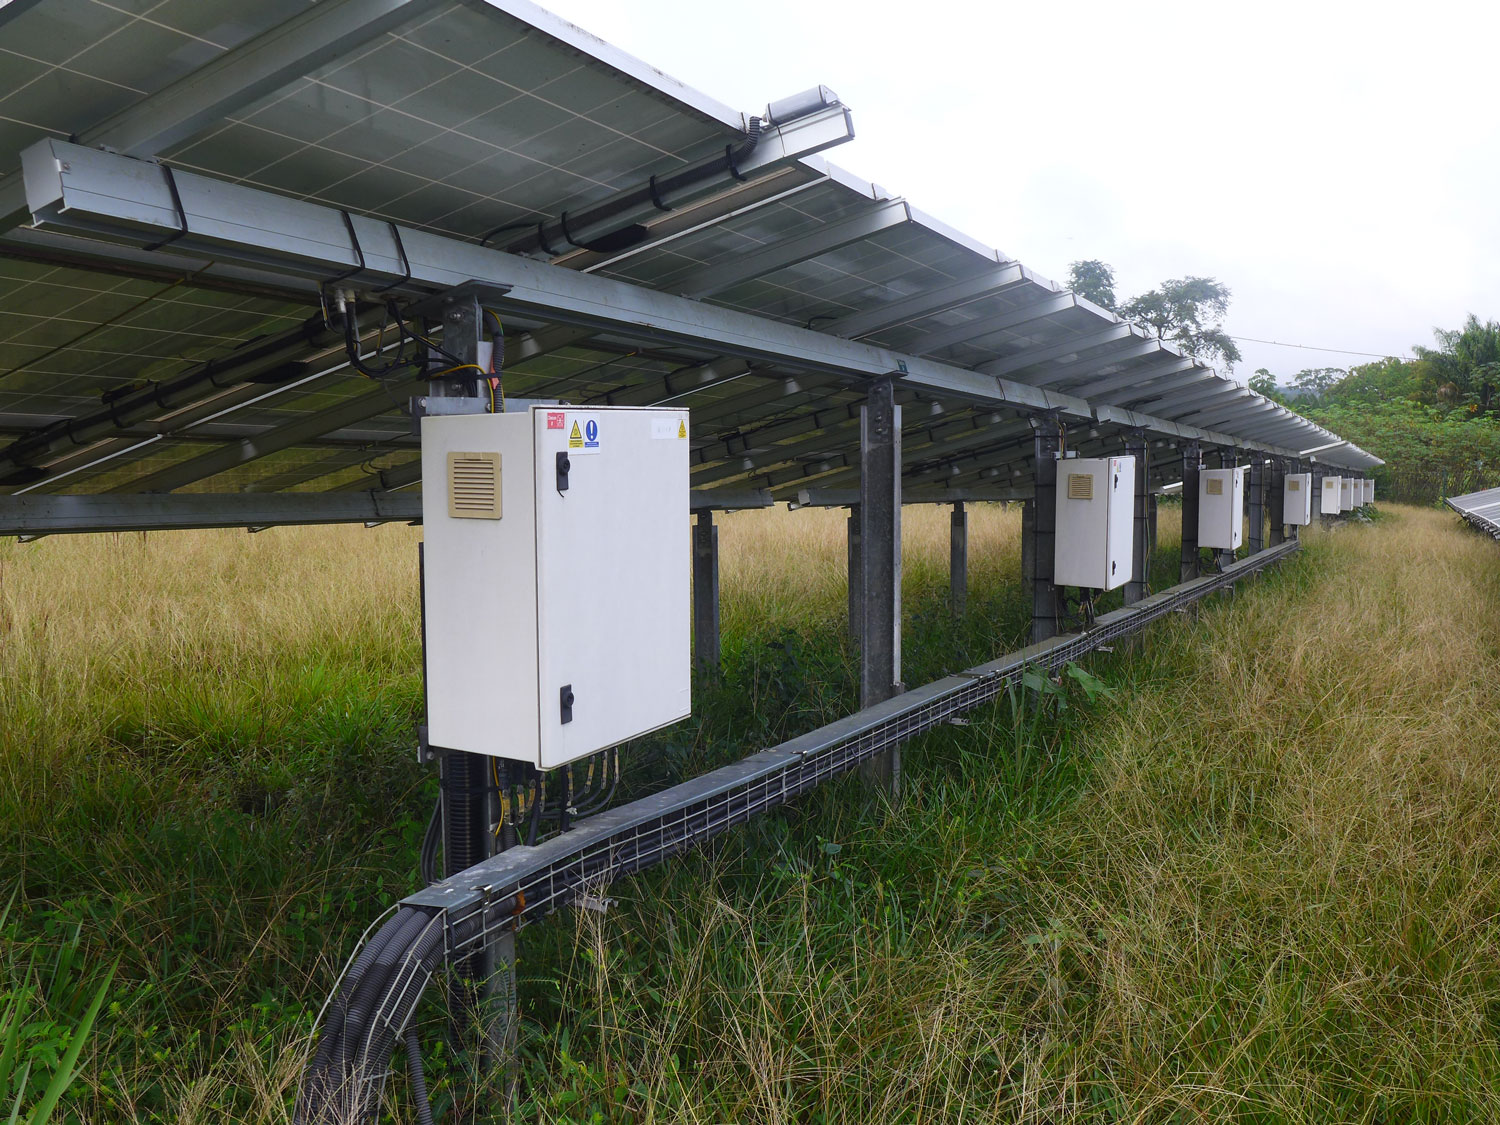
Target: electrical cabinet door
1329, 497
1221, 508
614, 577
556, 592
1297, 499
1095, 522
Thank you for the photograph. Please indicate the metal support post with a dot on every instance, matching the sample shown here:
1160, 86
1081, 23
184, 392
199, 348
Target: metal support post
1277, 501
856, 582
502, 1013
1150, 529
1028, 545
706, 592
461, 335
880, 565
958, 559
1140, 542
478, 987
1255, 541
466, 835
1192, 461
1044, 606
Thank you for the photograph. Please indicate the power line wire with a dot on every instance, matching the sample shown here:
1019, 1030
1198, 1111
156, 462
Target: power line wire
1311, 348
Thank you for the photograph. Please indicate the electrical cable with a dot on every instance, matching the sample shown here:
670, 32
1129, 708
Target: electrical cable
654, 193
537, 806
497, 360
430, 841
1312, 348
417, 1078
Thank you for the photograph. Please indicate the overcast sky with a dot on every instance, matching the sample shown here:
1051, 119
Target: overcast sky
1337, 165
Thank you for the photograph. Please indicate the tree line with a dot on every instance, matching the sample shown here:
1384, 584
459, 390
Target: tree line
1435, 416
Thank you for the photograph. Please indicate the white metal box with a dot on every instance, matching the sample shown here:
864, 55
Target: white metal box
1095, 521
1221, 508
1329, 500
1369, 492
556, 593
1346, 494
1297, 499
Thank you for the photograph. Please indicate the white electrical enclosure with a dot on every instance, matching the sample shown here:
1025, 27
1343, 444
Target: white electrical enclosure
1346, 494
1329, 499
556, 594
1095, 521
1369, 492
1297, 499
1221, 508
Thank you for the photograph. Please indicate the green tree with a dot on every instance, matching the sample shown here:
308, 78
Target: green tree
1264, 383
1465, 365
1187, 311
1384, 380
1316, 382
1094, 281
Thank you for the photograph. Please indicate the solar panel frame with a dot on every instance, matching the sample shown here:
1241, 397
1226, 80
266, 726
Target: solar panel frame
422, 143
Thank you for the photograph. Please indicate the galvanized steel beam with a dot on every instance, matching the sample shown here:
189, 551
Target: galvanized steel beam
49, 514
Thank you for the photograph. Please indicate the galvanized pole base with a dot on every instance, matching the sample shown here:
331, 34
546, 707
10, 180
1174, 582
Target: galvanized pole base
958, 560
1255, 541
1140, 546
1192, 462
1044, 603
706, 593
880, 566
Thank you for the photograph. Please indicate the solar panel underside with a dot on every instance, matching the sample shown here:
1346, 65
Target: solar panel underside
476, 119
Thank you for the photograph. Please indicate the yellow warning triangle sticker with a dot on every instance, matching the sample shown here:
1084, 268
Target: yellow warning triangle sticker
682, 429
575, 434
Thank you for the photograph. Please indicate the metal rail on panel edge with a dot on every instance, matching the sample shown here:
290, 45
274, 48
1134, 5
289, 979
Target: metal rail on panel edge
369, 1012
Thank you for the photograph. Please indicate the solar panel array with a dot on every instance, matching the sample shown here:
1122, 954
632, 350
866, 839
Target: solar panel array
482, 119
1480, 509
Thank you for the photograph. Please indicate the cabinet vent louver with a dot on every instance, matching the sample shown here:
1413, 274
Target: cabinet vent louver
1215, 486
474, 486
1080, 486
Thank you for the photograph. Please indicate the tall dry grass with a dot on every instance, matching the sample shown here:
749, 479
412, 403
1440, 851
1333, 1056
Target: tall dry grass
1260, 885
1263, 886
788, 569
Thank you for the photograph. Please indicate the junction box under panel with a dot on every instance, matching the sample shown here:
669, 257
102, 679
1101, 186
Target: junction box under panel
1095, 521
558, 582
1297, 499
1221, 508
1328, 501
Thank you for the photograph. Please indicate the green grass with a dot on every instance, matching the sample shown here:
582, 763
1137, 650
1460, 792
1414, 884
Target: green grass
1259, 883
